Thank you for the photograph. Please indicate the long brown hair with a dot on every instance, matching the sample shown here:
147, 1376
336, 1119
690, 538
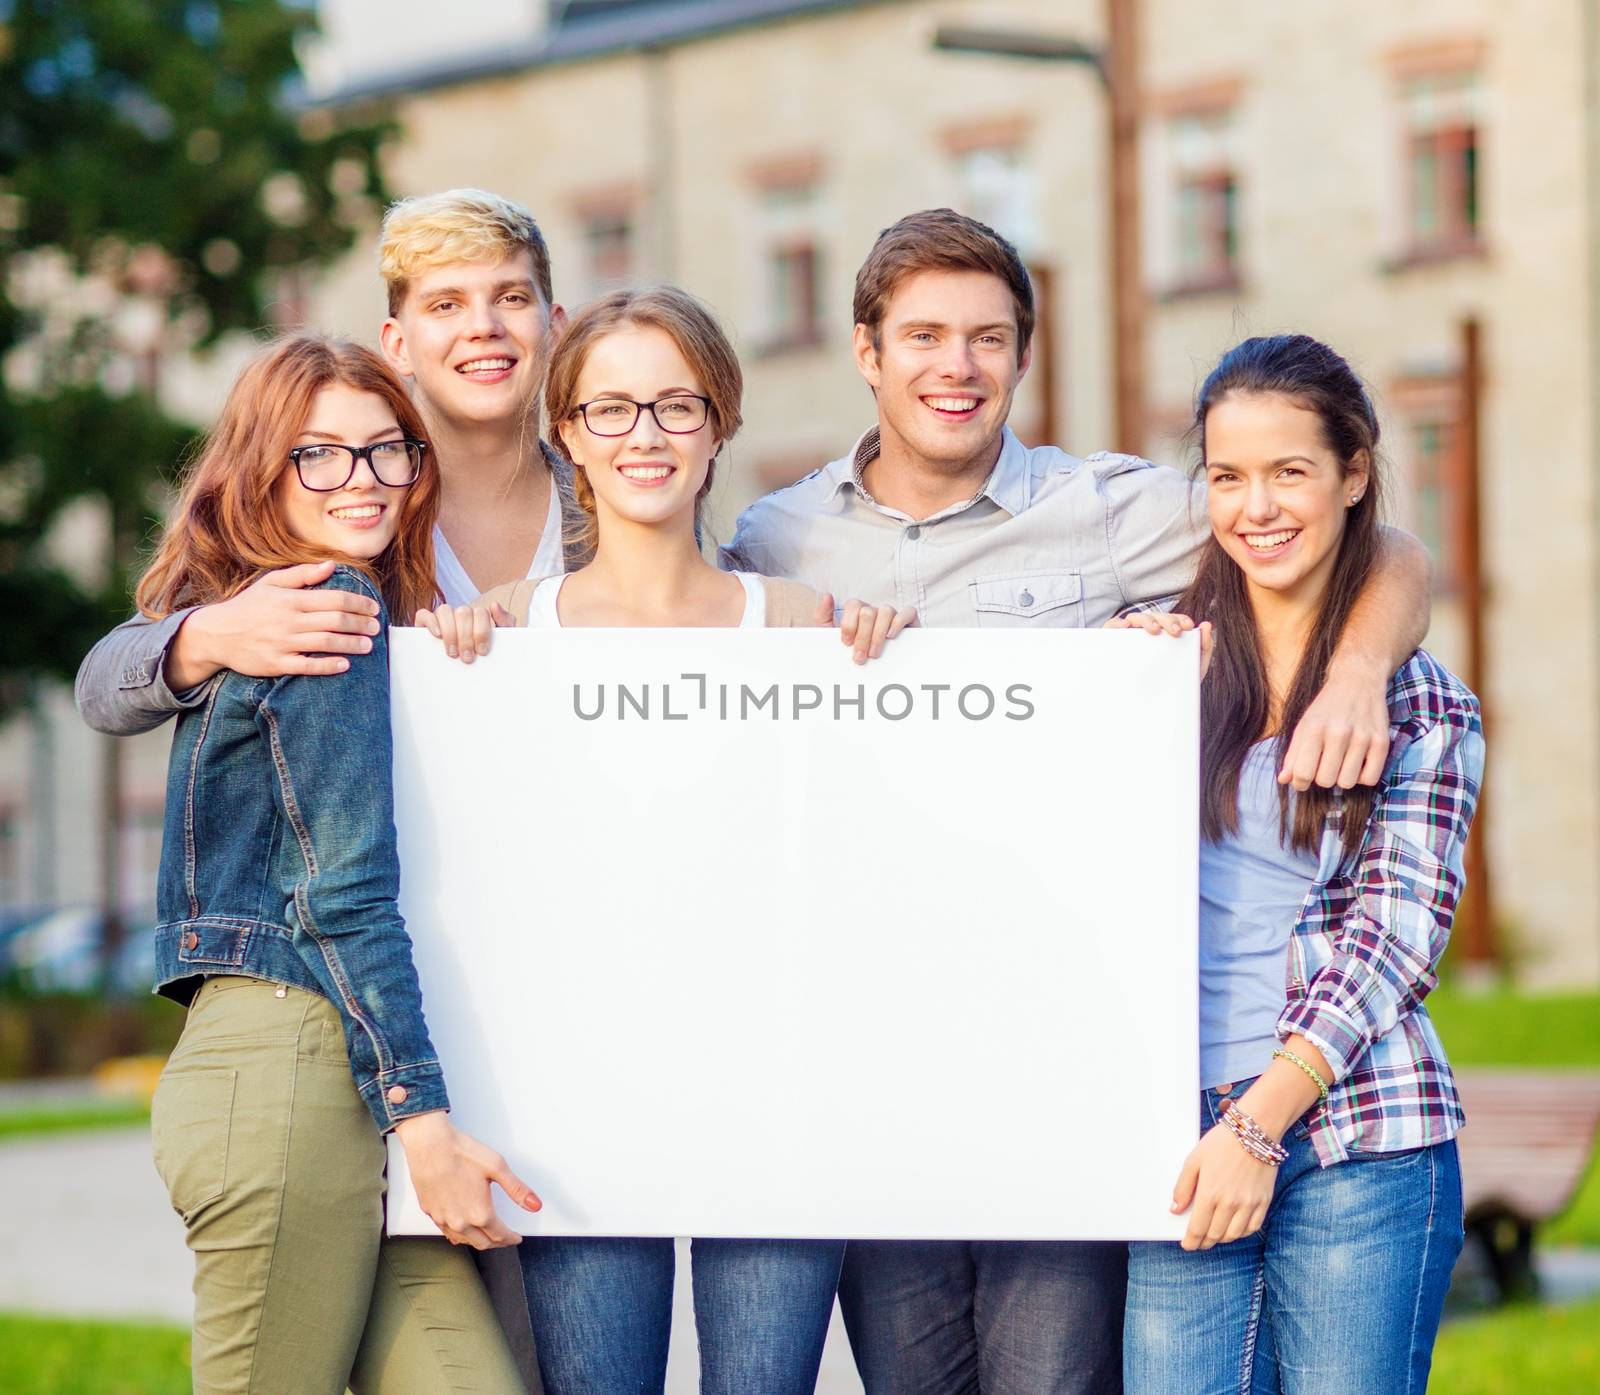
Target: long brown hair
701, 341
1236, 698
227, 528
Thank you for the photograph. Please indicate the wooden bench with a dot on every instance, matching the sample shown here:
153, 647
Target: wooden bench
1524, 1152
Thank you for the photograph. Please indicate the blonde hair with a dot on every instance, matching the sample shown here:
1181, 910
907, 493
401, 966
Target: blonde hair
459, 225
701, 341
228, 526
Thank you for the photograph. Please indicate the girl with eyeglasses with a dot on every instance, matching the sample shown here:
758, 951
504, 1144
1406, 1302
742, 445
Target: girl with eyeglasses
644, 390
1324, 1198
277, 926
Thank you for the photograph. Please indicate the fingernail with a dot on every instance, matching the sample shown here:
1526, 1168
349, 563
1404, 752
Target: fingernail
343, 665
366, 646
450, 650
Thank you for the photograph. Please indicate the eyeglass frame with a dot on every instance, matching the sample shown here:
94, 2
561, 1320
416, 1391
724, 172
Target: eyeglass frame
582, 411
357, 454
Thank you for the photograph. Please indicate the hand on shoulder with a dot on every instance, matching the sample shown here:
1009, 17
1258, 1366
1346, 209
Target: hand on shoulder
285, 622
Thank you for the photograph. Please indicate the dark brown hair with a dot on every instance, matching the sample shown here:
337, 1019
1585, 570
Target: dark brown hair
701, 341
1236, 698
939, 239
228, 528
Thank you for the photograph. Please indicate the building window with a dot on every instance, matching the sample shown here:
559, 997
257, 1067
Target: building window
608, 232
1442, 173
1431, 442
1205, 201
1429, 412
998, 188
139, 834
791, 269
10, 858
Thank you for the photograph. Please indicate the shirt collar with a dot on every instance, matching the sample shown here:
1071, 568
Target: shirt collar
1009, 486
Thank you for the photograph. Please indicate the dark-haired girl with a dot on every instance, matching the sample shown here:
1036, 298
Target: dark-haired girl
1324, 1196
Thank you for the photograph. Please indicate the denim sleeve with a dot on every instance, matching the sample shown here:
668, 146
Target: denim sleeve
329, 738
121, 688
1155, 522
1408, 880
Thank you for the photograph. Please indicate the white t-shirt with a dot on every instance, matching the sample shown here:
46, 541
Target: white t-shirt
542, 604
459, 588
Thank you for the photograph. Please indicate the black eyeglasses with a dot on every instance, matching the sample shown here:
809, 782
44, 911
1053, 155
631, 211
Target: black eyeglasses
682, 414
325, 468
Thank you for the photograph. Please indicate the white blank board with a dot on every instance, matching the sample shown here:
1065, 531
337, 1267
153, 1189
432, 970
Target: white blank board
809, 968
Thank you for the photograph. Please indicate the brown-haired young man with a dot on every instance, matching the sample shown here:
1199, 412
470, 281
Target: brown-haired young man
939, 506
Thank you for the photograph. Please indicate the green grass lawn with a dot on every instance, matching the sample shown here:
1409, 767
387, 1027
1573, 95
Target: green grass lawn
1518, 1351
59, 1356
1525, 1350
1553, 1031
73, 1118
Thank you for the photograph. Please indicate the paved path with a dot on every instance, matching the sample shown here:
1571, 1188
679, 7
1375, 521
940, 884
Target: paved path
85, 1228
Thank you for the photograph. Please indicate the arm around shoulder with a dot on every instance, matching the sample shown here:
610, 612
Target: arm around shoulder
793, 606
1390, 618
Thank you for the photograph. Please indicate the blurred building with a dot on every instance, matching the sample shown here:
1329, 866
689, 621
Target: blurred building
1379, 175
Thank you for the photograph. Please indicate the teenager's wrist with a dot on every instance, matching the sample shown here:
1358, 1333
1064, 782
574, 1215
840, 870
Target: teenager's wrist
189, 659
1279, 1098
423, 1129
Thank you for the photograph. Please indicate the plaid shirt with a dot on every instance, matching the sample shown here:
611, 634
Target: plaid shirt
1365, 950
1366, 946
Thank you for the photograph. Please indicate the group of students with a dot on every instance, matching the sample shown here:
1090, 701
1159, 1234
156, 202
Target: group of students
344, 489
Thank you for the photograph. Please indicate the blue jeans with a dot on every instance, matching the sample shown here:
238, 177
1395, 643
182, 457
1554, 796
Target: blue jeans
1339, 1293
990, 1317
602, 1313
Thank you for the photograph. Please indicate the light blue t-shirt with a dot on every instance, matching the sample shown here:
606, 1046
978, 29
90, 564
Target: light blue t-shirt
1251, 892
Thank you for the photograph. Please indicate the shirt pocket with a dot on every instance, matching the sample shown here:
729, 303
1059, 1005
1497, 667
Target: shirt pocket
1029, 599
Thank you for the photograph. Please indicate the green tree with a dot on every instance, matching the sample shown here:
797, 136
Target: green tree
161, 183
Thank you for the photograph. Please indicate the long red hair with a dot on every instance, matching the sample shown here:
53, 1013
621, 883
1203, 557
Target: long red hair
227, 527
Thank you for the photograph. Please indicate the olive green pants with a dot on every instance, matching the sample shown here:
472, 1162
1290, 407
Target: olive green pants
275, 1165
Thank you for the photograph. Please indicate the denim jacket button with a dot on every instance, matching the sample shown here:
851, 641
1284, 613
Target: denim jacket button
397, 1094
191, 941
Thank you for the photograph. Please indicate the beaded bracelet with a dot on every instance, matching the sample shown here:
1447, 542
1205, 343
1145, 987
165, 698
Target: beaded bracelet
1322, 1085
1252, 1138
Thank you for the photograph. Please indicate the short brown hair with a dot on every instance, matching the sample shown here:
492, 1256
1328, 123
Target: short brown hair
939, 239
684, 320
459, 225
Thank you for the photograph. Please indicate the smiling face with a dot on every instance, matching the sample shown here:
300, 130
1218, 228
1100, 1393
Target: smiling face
360, 519
945, 367
474, 336
649, 475
1276, 494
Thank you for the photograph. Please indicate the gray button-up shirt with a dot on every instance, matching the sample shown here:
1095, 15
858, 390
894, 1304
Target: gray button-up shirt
1049, 540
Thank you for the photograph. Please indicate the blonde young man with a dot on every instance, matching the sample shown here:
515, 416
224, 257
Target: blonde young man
470, 317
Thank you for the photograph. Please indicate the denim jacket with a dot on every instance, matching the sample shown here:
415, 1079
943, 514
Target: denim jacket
278, 861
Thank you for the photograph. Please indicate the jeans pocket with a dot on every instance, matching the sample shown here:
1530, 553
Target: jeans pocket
191, 1121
